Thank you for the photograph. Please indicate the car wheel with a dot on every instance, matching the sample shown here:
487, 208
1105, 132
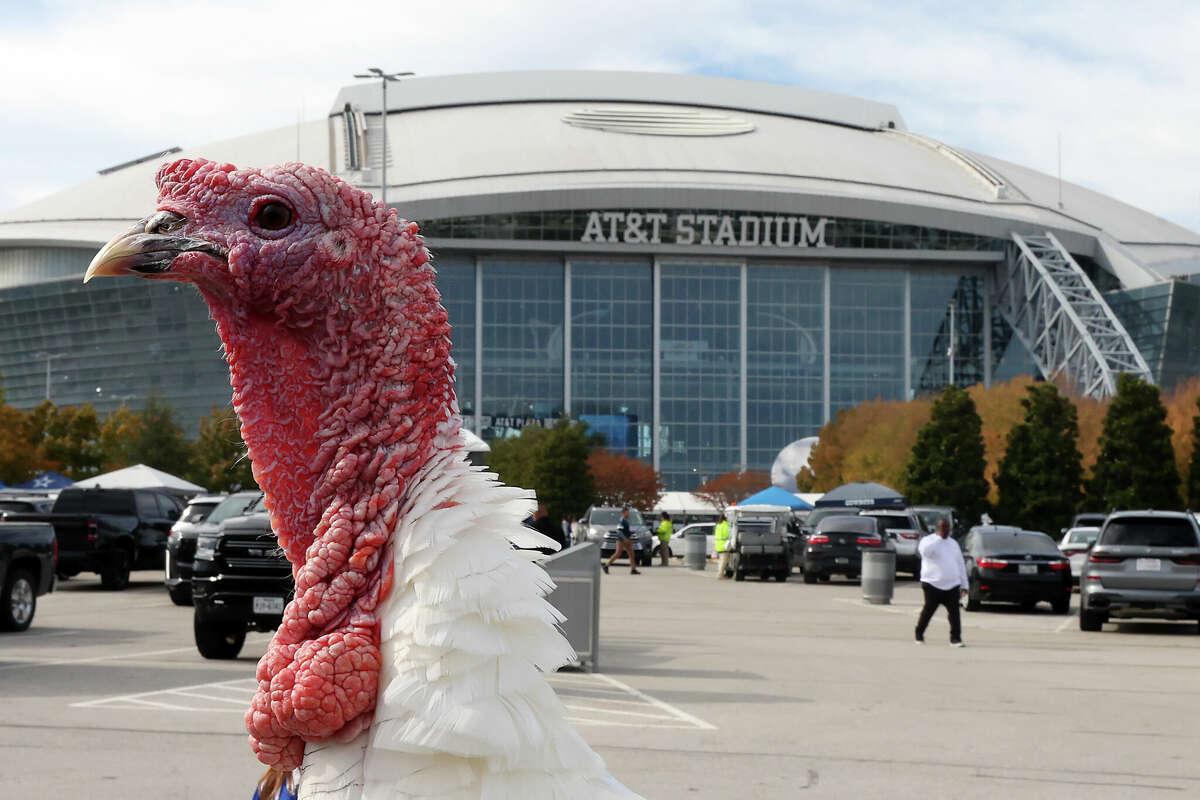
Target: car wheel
218, 641
810, 577
973, 601
782, 575
18, 602
825, 578
115, 574
1062, 606
181, 594
1090, 620
1028, 605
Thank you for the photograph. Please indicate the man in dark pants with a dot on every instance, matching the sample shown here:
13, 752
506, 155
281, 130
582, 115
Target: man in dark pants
624, 544
943, 578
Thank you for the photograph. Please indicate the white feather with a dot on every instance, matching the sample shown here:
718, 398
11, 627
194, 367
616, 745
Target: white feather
463, 710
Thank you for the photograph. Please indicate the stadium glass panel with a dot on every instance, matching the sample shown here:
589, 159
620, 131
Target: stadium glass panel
785, 346
866, 338
700, 372
522, 343
931, 296
612, 333
456, 282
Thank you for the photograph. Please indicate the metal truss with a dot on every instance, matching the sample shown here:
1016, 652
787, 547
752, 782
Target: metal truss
1060, 317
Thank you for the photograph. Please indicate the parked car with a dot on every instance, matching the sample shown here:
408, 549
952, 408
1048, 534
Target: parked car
241, 581
836, 546
1010, 565
1144, 564
1075, 545
27, 554
109, 531
1089, 519
202, 515
600, 526
680, 537
904, 530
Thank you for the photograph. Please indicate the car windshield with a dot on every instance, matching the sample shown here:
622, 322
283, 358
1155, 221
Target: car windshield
1150, 532
612, 517
197, 512
815, 517
932, 518
231, 506
81, 501
898, 521
1082, 535
1024, 542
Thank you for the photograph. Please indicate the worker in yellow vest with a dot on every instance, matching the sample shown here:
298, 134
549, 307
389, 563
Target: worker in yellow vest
665, 529
721, 545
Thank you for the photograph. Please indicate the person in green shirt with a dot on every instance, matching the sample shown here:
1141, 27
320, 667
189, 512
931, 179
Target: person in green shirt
665, 529
721, 546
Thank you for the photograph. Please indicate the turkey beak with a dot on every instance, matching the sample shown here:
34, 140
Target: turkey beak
148, 248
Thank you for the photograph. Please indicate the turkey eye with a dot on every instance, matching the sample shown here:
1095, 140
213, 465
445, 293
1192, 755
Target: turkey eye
273, 216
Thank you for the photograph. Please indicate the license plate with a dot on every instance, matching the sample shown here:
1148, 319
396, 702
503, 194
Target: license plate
1027, 569
268, 605
1149, 564
841, 560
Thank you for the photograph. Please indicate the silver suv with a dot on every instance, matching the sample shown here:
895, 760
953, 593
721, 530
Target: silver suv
1144, 564
904, 529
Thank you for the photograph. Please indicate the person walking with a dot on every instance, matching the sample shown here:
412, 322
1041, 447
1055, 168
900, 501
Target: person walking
665, 529
943, 579
624, 544
721, 545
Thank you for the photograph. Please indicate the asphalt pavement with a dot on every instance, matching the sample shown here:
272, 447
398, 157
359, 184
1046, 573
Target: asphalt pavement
707, 689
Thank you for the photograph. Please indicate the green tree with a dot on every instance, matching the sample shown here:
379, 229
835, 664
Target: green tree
946, 466
512, 459
20, 458
1136, 466
1193, 473
561, 476
220, 460
1040, 478
70, 439
120, 434
150, 436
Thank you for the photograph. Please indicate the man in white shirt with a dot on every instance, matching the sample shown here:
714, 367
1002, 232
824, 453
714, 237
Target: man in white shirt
943, 577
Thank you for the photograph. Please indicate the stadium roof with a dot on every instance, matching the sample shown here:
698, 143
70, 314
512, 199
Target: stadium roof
528, 141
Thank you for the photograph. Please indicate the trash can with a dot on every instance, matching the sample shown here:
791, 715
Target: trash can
695, 552
878, 576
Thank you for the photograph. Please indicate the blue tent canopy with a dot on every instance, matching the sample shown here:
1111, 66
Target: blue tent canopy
774, 496
47, 480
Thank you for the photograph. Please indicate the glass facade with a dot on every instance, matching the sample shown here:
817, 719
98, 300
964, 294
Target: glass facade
540, 334
522, 344
785, 353
612, 369
700, 372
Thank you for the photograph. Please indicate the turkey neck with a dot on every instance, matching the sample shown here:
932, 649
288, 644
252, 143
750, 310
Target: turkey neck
350, 415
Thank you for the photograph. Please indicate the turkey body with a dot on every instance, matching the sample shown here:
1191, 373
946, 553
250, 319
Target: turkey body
409, 664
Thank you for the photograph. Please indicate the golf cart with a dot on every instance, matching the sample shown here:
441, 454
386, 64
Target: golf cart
758, 542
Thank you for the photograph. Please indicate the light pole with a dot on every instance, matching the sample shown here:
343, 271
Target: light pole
950, 349
384, 77
49, 360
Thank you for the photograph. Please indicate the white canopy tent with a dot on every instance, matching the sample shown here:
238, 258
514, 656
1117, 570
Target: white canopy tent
140, 476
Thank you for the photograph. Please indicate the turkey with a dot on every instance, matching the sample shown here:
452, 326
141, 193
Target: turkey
409, 664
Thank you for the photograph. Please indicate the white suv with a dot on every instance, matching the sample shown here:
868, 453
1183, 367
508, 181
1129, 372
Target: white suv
903, 528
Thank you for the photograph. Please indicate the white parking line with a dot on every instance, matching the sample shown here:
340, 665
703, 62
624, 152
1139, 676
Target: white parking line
591, 699
25, 663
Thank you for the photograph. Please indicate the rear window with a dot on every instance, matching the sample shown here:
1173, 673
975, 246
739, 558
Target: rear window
1027, 542
931, 518
1083, 536
16, 505
1149, 532
231, 506
197, 512
900, 521
117, 503
845, 524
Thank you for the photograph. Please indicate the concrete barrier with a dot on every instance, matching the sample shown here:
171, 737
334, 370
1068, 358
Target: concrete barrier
576, 575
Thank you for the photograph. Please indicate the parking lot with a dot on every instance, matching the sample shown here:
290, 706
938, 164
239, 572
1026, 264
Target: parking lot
707, 689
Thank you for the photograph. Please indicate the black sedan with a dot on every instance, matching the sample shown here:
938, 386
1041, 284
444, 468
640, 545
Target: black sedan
836, 547
1011, 565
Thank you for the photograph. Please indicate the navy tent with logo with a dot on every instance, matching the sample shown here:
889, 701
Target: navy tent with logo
862, 495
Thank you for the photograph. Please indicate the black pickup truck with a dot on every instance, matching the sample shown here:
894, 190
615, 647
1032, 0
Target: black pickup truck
109, 531
27, 551
241, 581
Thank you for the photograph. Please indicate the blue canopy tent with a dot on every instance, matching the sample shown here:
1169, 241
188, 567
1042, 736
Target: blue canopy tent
774, 496
47, 481
862, 495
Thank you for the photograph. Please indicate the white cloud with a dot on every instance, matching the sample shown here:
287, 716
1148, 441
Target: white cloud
103, 84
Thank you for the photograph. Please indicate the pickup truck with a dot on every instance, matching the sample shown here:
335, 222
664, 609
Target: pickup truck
27, 551
109, 531
240, 581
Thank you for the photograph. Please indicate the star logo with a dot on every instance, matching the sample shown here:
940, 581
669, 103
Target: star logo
42, 482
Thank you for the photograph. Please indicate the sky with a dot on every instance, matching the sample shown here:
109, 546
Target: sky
88, 84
